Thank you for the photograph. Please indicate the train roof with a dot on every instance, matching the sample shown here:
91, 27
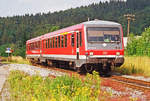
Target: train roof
76, 27
34, 39
101, 22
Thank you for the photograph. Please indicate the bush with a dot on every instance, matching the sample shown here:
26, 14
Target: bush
24, 87
139, 46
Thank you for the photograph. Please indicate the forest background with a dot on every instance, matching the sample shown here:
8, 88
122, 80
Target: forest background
16, 30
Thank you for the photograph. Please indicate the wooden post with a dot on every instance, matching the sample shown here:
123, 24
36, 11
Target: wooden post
129, 18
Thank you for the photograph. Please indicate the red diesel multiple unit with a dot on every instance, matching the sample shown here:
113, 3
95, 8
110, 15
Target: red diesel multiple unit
92, 45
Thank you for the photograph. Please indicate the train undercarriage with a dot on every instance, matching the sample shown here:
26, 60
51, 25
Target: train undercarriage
102, 65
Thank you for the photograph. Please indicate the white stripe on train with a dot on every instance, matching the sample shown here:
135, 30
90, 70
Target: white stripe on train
74, 56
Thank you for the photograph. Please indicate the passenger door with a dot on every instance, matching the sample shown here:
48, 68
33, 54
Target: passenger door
78, 44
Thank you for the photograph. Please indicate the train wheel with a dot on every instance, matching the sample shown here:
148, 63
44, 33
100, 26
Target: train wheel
107, 70
77, 69
32, 61
88, 68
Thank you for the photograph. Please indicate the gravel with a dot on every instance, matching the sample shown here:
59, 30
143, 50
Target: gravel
128, 92
33, 70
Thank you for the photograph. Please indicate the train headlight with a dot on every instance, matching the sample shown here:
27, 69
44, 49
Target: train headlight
118, 53
91, 53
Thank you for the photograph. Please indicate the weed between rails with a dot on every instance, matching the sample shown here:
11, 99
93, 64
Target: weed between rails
26, 88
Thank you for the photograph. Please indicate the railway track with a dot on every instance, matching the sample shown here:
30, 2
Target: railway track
69, 72
128, 82
133, 83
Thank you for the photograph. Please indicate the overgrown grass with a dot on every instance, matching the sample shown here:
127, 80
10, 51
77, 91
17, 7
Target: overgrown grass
35, 88
14, 59
135, 65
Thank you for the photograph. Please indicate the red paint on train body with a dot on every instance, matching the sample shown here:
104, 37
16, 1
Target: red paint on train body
84, 43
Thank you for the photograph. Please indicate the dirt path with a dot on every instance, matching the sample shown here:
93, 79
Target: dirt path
3, 76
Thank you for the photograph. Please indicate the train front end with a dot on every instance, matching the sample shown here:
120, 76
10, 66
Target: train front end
103, 45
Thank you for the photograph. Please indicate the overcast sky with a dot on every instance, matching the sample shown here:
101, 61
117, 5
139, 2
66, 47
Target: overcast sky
21, 7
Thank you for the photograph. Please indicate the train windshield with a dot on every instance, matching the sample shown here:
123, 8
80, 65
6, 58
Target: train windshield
103, 34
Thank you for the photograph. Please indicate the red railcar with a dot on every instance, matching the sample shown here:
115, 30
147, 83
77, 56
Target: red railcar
91, 45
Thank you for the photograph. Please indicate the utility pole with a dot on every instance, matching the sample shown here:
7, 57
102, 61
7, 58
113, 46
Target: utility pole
129, 18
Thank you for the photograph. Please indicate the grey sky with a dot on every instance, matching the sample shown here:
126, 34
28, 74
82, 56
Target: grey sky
21, 7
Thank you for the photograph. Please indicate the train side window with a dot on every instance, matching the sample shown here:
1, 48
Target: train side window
39, 44
33, 46
65, 40
72, 40
43, 43
27, 47
30, 46
53, 43
48, 43
58, 41
80, 35
62, 41
36, 45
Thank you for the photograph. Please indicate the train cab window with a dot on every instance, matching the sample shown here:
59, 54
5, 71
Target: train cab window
58, 41
65, 40
62, 41
103, 34
80, 36
53, 43
72, 40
